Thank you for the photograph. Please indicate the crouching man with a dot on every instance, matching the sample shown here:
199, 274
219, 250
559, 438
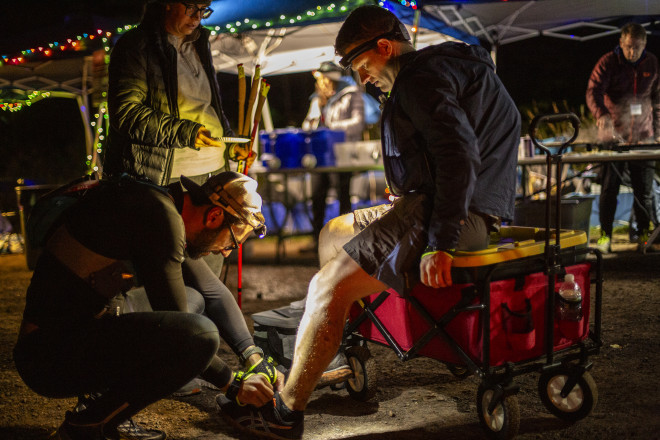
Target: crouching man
72, 343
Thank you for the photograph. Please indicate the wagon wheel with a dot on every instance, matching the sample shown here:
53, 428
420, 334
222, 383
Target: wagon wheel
577, 403
363, 385
459, 371
504, 421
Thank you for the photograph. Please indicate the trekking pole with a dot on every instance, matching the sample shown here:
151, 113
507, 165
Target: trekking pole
257, 84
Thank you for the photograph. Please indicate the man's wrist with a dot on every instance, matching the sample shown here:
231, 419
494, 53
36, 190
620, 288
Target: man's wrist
234, 387
430, 250
248, 352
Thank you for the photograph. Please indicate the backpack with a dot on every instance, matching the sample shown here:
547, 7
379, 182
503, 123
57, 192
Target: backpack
275, 332
47, 213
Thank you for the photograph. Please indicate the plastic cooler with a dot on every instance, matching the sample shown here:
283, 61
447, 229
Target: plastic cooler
322, 143
290, 145
516, 305
287, 144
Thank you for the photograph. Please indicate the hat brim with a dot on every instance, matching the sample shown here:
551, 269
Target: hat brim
197, 194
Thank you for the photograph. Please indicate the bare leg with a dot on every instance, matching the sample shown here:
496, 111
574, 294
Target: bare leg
331, 292
334, 235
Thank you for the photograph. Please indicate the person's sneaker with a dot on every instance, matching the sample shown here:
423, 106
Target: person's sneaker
273, 420
66, 431
338, 371
642, 241
130, 430
194, 387
604, 244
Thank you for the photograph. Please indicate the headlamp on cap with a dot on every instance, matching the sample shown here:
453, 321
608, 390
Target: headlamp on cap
398, 33
220, 196
233, 192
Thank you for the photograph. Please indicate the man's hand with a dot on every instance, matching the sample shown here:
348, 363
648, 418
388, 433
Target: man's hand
266, 368
204, 139
255, 390
435, 269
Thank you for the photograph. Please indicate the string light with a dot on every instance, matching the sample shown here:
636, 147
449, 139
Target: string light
14, 105
407, 4
74, 44
82, 43
331, 10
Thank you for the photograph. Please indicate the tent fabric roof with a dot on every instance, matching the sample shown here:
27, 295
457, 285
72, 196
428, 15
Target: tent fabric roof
71, 74
505, 22
300, 48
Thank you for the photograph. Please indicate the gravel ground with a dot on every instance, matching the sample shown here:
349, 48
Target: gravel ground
417, 399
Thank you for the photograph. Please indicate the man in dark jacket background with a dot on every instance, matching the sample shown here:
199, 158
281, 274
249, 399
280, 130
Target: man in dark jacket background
624, 96
450, 134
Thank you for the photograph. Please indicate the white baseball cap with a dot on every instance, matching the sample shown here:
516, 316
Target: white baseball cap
235, 193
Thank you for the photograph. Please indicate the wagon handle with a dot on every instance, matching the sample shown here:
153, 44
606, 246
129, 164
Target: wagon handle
552, 252
558, 117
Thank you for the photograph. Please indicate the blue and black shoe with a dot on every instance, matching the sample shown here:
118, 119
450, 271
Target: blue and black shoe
273, 420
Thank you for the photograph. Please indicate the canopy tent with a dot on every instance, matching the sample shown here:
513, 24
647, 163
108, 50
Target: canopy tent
503, 22
286, 36
81, 77
290, 36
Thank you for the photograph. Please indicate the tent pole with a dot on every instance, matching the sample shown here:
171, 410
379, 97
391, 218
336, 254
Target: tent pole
418, 14
266, 117
83, 105
84, 114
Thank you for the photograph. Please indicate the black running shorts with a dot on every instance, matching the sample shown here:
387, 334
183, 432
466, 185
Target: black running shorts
394, 236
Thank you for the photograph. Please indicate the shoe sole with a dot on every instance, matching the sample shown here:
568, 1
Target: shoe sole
192, 392
334, 377
261, 434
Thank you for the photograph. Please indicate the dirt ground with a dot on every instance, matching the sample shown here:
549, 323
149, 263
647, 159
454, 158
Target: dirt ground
417, 399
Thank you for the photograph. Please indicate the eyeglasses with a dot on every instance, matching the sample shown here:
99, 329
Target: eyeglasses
233, 239
192, 10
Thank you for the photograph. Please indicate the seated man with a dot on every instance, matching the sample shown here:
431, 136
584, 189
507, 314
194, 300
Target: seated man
71, 342
450, 141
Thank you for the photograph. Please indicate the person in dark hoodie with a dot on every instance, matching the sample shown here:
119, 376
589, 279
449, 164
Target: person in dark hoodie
624, 96
450, 134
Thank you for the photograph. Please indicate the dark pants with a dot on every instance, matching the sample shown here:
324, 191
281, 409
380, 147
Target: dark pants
641, 178
320, 184
219, 304
207, 294
133, 360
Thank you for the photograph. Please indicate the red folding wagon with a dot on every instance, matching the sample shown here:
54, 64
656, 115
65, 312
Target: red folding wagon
498, 321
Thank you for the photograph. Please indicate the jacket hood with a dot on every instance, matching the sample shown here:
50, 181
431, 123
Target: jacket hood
452, 49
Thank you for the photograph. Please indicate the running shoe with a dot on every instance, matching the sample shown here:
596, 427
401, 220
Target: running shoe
642, 241
338, 371
604, 244
272, 420
131, 430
